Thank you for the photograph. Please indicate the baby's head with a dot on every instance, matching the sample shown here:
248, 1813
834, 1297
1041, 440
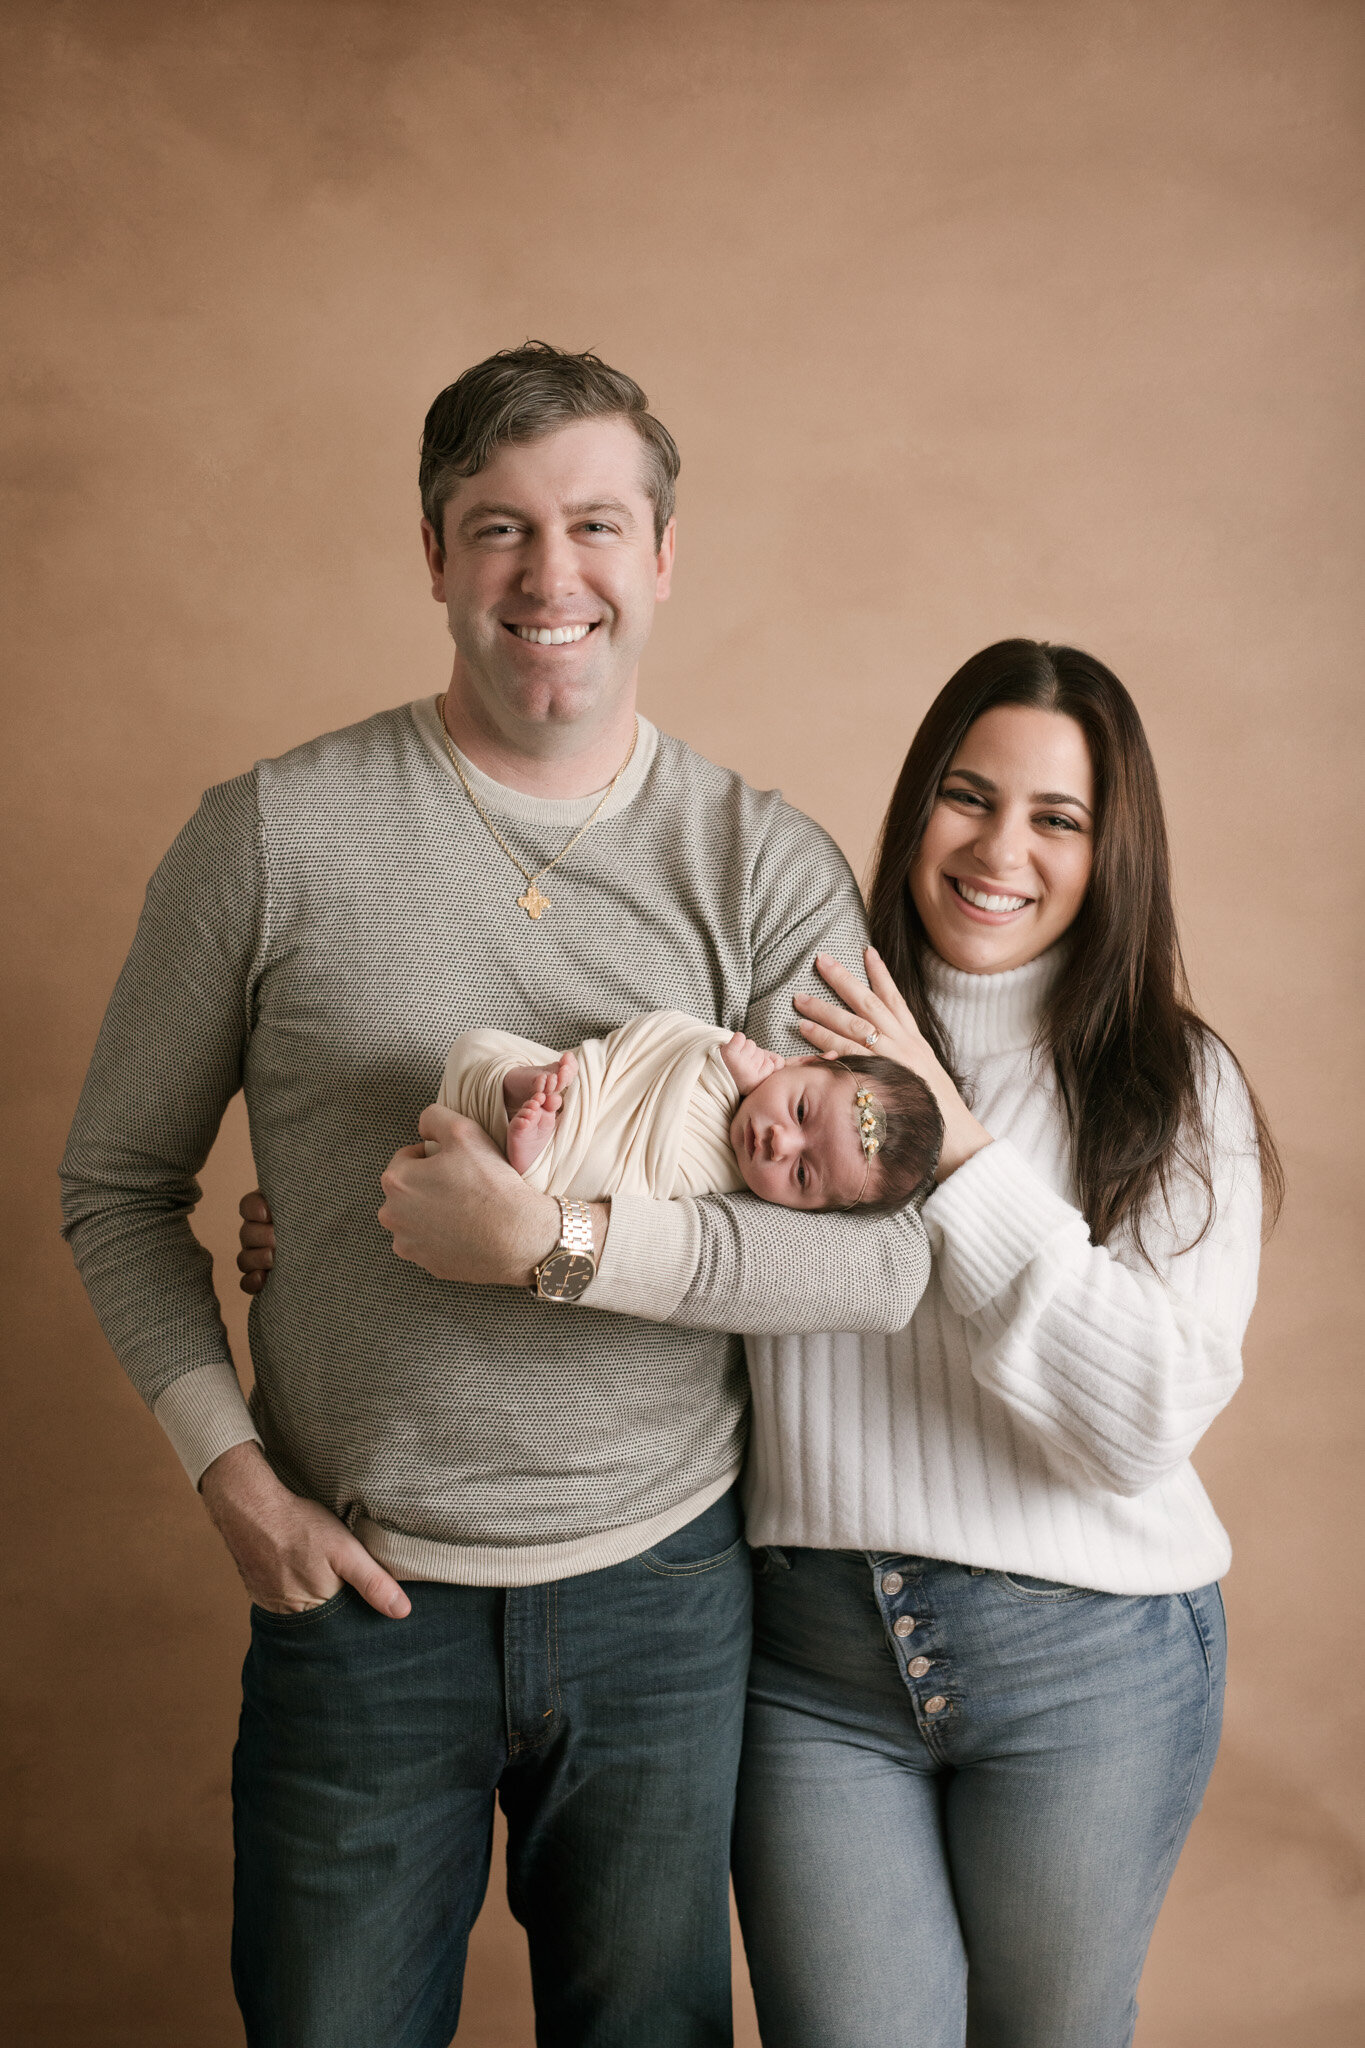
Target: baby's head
803, 1140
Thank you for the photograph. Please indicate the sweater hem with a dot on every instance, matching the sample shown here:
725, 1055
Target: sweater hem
529, 1564
772, 1531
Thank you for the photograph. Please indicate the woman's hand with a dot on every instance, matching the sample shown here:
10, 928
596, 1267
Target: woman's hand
257, 1234
880, 1012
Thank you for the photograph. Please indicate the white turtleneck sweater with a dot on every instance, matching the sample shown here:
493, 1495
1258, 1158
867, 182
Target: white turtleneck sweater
1038, 1413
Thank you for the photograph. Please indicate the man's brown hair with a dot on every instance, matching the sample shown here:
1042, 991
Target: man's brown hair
520, 394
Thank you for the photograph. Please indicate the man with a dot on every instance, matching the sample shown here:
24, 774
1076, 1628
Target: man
490, 1532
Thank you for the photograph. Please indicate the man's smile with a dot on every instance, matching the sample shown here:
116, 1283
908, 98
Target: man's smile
551, 636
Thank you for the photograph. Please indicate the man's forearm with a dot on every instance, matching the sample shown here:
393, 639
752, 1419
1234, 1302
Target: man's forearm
167, 1062
731, 1262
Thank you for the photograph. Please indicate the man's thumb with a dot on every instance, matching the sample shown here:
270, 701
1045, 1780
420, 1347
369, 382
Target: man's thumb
436, 1124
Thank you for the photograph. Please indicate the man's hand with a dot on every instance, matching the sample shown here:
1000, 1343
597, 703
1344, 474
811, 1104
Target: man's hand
455, 1206
257, 1255
291, 1553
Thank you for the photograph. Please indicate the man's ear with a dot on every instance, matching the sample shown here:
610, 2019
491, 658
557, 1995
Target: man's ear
668, 547
436, 560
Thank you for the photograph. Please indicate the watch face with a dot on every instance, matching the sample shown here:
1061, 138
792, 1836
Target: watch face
565, 1275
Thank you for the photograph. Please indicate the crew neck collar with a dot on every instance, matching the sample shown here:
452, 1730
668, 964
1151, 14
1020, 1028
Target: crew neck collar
988, 1013
515, 803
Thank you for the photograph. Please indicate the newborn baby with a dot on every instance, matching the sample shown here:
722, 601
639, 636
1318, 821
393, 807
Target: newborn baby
667, 1106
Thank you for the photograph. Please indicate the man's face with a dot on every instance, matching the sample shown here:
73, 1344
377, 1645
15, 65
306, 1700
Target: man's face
549, 576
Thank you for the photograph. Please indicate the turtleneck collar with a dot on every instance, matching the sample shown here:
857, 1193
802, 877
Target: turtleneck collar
989, 1013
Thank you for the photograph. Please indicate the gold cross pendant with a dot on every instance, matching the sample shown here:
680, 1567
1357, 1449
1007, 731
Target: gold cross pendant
533, 903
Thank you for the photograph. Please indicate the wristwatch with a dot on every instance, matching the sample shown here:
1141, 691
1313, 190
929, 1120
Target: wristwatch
572, 1266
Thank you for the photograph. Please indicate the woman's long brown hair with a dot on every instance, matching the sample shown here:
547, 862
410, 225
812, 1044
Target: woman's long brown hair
1127, 1046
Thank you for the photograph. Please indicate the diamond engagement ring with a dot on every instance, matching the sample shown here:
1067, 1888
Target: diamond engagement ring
872, 1036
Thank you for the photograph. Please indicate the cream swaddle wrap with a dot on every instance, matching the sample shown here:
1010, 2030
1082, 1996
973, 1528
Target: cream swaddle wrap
648, 1112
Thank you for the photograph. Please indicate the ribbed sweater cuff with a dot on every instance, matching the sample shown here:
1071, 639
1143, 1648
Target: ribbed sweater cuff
650, 1258
203, 1413
988, 1220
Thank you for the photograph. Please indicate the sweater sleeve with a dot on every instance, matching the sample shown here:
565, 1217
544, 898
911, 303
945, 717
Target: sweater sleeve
732, 1262
1116, 1366
167, 1062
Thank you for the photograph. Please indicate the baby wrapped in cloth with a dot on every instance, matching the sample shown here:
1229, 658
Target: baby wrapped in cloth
667, 1106
648, 1112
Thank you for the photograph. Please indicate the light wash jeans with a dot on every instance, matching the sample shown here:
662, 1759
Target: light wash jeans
961, 1799
605, 1712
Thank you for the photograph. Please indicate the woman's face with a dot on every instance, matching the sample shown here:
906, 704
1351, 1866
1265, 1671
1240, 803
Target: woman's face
1005, 860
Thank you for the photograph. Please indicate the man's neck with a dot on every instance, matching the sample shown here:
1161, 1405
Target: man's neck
560, 762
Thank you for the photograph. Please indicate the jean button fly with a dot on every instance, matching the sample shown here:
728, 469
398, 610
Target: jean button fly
936, 1704
892, 1583
917, 1666
904, 1625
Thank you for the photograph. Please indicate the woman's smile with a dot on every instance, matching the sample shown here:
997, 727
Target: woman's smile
992, 905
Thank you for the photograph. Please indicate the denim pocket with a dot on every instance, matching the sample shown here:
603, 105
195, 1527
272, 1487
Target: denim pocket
266, 1616
700, 1545
1050, 1590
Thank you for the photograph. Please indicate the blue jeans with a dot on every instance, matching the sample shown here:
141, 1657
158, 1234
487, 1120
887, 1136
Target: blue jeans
961, 1799
605, 1712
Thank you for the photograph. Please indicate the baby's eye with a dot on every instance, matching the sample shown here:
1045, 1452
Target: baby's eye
801, 1175
801, 1110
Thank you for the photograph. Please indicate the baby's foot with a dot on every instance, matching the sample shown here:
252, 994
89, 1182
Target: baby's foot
534, 1097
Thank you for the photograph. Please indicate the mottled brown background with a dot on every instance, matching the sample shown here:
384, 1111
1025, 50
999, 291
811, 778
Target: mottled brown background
972, 317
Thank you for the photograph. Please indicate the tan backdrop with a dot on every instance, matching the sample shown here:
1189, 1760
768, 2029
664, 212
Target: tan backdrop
971, 319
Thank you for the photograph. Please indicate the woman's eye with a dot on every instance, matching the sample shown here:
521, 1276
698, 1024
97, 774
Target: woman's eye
964, 796
1057, 818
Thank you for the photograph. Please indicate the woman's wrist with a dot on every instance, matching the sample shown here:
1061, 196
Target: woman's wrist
963, 1138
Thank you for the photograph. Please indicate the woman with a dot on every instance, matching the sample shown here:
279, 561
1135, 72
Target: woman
989, 1655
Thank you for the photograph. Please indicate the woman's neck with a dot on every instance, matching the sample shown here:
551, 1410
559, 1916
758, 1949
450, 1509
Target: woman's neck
989, 1013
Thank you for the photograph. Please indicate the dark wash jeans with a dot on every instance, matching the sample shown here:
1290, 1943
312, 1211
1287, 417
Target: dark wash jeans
605, 1711
962, 1798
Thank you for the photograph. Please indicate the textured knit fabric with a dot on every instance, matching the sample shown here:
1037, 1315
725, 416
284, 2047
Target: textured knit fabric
1039, 1412
318, 934
647, 1113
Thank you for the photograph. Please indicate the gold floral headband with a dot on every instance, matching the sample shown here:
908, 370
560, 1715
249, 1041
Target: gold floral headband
871, 1121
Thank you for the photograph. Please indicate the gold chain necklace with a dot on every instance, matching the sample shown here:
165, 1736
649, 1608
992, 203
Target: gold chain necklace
532, 902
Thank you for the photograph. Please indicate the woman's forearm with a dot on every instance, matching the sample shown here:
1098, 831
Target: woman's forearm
1117, 1366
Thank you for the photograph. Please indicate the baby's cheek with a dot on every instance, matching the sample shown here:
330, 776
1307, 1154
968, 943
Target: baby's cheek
751, 1173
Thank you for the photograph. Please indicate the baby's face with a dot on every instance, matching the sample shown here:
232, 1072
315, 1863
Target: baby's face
796, 1138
